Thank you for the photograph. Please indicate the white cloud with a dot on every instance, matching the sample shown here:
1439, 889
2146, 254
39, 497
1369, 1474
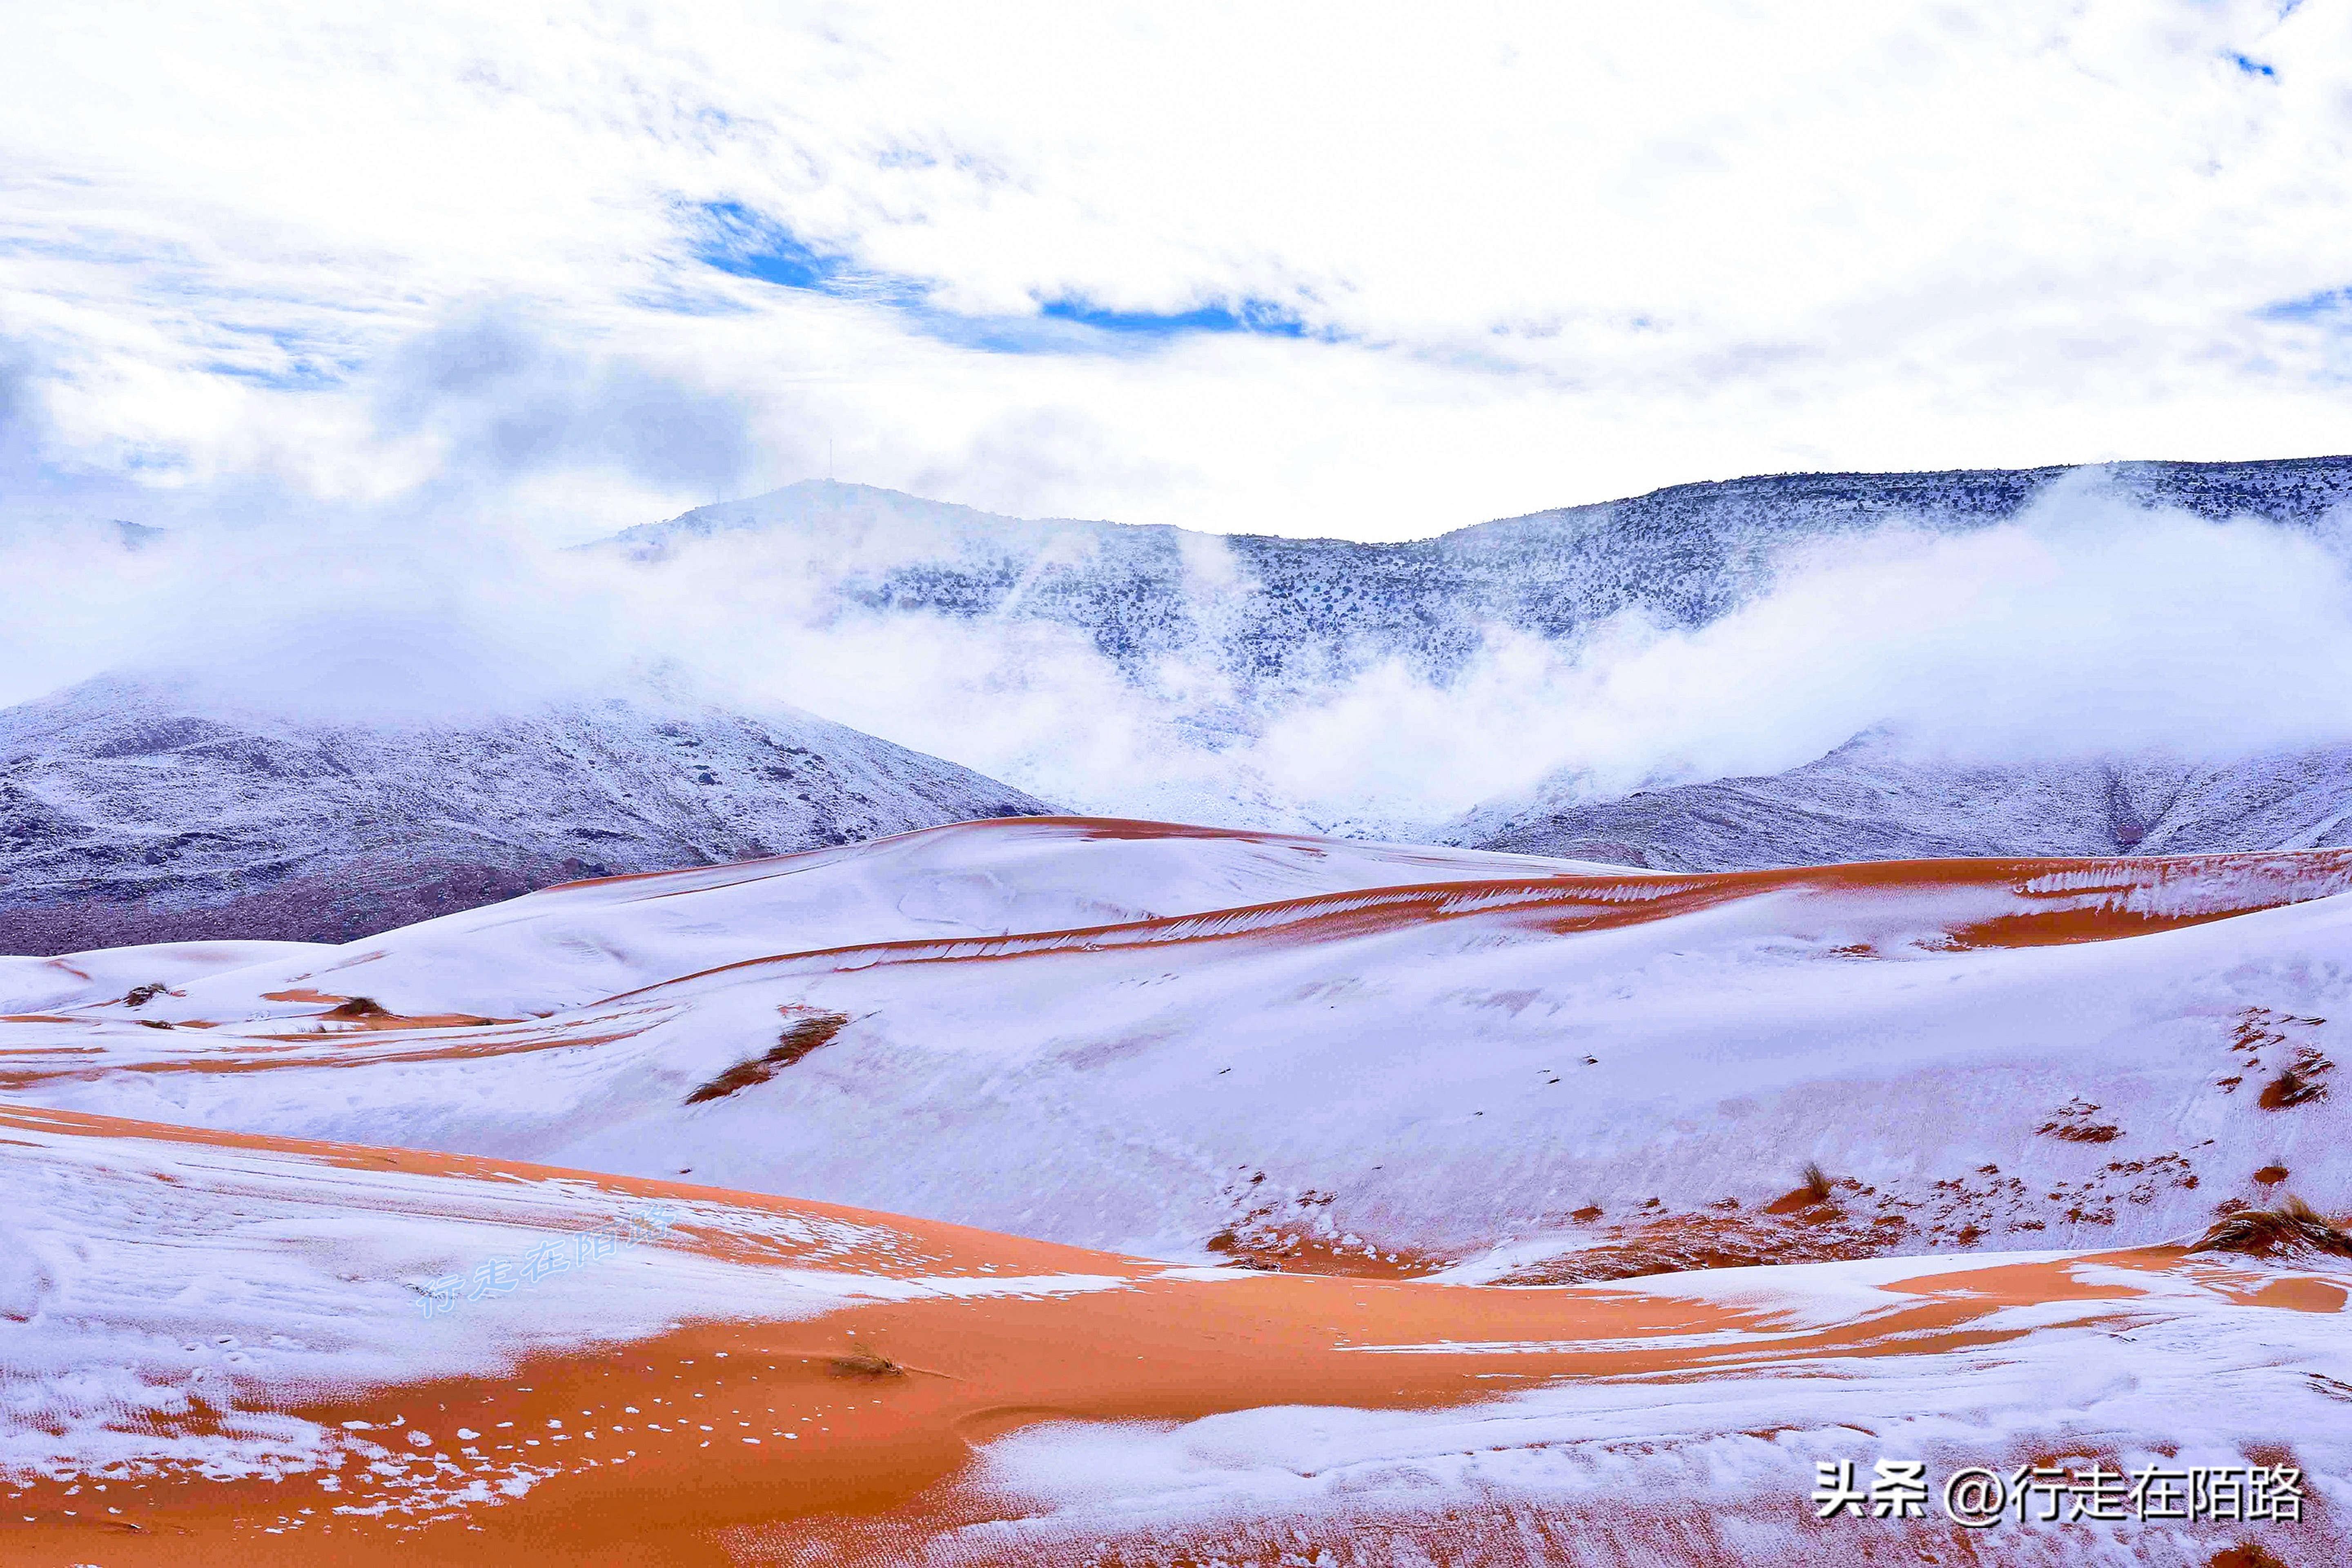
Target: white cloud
1540, 253
2085, 627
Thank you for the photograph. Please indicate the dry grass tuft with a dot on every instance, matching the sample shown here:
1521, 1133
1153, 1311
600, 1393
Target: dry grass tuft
2289, 1228
797, 1041
1815, 1181
2290, 1087
360, 1007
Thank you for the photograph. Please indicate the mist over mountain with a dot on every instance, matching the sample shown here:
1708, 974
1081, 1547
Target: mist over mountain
136, 811
2007, 635
1276, 615
319, 742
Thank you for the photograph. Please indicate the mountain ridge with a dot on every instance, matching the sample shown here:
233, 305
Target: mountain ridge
133, 812
2215, 488
1875, 799
1277, 614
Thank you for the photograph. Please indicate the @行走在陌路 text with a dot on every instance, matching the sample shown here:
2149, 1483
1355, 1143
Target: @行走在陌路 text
1978, 1497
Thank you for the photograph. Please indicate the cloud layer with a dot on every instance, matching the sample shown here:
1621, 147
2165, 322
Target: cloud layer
376, 310
1314, 269
2086, 627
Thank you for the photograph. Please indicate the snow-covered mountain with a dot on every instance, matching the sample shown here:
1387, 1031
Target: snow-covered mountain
1262, 630
1279, 615
128, 812
136, 811
1875, 799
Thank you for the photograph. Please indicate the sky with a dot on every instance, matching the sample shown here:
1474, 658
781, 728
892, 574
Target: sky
378, 309
1368, 270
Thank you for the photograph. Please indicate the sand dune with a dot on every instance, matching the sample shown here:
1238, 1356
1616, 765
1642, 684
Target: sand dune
1078, 1192
740, 1380
1198, 1043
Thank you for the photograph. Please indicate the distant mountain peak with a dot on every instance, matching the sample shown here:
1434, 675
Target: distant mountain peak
838, 506
135, 811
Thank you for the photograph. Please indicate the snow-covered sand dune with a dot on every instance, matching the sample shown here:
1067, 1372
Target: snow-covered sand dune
1317, 1053
557, 1230
586, 940
224, 1345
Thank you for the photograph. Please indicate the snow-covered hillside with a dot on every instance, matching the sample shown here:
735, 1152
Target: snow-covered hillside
1243, 655
135, 812
1185, 1043
1279, 615
1875, 799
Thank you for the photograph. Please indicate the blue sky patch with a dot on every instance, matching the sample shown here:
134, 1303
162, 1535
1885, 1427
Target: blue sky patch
2327, 305
2252, 67
1260, 316
746, 242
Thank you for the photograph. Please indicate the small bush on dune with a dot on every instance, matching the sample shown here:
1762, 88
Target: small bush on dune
1815, 1181
2290, 1087
797, 1041
2292, 1226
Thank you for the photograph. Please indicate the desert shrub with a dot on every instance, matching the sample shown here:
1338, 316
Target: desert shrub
2290, 1226
1815, 1181
798, 1040
2289, 1089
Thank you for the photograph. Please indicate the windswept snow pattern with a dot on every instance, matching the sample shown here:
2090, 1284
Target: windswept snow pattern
234, 1339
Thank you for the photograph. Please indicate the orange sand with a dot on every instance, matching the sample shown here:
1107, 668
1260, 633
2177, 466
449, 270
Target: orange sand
846, 1448
771, 1438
